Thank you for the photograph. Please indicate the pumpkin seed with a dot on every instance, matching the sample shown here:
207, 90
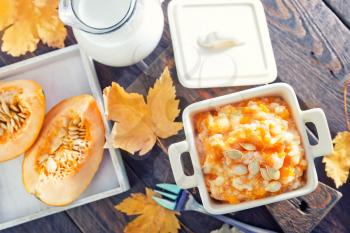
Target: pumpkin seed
219, 181
74, 137
5, 108
73, 129
16, 118
22, 115
248, 146
273, 173
238, 184
3, 125
73, 133
248, 157
76, 121
21, 108
82, 130
14, 108
239, 169
253, 167
273, 186
264, 174
234, 154
3, 117
12, 115
13, 123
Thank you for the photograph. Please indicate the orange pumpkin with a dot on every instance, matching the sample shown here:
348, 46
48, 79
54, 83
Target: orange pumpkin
22, 112
67, 154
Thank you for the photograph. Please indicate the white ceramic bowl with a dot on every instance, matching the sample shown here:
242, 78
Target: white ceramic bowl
285, 91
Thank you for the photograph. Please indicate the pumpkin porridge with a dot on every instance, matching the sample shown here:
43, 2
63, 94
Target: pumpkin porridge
250, 150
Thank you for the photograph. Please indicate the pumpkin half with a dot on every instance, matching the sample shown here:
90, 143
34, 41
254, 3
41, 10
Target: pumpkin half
22, 112
66, 156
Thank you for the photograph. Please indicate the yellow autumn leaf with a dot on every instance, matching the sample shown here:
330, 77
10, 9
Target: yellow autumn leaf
50, 29
120, 106
21, 36
132, 131
8, 13
163, 106
26, 22
41, 3
137, 124
152, 218
19, 45
141, 138
338, 163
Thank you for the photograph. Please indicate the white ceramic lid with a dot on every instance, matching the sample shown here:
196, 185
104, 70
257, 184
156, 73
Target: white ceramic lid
221, 43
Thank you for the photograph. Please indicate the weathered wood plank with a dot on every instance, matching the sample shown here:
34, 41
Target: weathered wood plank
57, 223
311, 47
341, 8
101, 216
302, 214
311, 53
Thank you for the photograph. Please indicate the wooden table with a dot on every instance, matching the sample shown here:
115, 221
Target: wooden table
311, 41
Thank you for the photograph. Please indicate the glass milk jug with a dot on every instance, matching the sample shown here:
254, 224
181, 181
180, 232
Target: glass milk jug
115, 32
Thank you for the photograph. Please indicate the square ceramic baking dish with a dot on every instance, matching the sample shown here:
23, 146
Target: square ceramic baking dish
315, 116
250, 62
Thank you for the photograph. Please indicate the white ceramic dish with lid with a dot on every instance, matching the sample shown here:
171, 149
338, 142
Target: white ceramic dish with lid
300, 117
220, 43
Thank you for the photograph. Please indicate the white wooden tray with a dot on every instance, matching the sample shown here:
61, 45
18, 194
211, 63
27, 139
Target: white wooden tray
62, 73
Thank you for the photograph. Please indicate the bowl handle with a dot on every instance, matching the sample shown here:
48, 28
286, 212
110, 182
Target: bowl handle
325, 145
182, 180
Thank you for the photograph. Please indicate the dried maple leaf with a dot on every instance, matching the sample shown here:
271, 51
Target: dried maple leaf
338, 163
8, 13
137, 124
163, 106
132, 131
50, 29
26, 22
152, 217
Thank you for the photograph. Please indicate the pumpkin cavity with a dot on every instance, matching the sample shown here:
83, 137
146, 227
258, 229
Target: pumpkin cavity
67, 150
13, 114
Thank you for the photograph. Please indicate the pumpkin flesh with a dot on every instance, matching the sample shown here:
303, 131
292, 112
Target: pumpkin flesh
22, 112
68, 152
